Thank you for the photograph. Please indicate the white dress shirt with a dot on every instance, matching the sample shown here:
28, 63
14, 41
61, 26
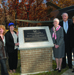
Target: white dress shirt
65, 26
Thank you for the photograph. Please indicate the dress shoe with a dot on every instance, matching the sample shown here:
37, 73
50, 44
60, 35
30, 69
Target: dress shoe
73, 70
56, 69
59, 70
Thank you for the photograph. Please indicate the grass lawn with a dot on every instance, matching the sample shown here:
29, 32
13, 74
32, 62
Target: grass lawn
54, 72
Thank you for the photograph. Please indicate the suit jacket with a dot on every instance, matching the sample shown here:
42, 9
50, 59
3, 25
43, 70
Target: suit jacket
72, 36
9, 42
67, 35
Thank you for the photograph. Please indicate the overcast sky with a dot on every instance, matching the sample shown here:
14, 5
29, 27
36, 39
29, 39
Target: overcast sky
44, 1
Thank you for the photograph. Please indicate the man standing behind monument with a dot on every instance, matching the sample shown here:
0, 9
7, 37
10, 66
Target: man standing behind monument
66, 26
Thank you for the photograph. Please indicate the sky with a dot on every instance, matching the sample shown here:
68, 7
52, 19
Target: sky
43, 1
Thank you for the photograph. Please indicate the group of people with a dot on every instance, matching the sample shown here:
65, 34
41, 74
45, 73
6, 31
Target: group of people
63, 38
8, 46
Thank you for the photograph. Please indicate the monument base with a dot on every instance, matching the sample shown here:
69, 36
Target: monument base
33, 73
36, 61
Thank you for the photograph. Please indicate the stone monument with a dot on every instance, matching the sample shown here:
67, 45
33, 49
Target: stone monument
35, 44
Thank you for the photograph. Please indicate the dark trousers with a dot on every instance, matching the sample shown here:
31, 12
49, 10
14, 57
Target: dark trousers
68, 51
3, 67
13, 59
73, 51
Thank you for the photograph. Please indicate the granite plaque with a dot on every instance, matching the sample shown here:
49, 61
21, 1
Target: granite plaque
36, 35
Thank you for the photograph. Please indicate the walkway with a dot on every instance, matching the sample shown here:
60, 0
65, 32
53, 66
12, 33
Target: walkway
69, 71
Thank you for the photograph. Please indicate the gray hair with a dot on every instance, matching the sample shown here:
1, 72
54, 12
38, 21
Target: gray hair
56, 19
64, 13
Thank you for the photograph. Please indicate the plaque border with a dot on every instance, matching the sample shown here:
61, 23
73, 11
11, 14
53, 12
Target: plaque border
31, 45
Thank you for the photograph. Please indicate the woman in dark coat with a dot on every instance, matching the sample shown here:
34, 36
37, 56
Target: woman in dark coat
58, 40
2, 51
11, 47
72, 38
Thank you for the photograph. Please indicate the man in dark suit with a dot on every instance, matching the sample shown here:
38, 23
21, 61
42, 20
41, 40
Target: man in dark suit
66, 27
